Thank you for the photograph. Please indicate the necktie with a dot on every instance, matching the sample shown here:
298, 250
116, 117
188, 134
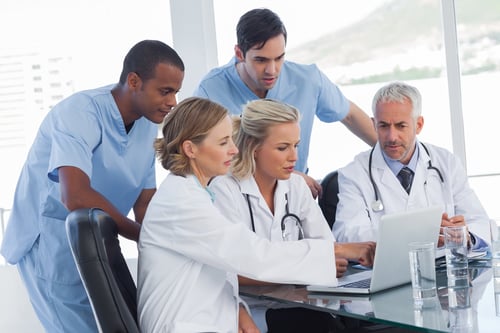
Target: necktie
405, 177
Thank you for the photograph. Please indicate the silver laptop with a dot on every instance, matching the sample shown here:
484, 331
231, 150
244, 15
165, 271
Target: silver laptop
391, 265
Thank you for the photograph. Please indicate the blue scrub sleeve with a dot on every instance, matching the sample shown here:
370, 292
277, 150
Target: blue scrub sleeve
75, 135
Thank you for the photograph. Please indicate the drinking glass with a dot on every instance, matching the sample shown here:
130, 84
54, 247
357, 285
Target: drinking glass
462, 318
495, 261
455, 242
423, 270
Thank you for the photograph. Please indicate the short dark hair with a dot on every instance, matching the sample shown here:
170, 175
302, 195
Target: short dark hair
256, 27
144, 56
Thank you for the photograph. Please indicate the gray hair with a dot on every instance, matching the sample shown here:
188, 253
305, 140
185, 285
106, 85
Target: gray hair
252, 128
399, 92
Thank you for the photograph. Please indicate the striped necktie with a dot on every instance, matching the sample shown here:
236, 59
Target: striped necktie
405, 177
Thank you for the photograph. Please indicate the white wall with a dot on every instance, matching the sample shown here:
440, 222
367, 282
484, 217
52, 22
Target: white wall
16, 313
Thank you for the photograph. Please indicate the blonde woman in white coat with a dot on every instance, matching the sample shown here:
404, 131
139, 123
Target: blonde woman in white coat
190, 254
265, 195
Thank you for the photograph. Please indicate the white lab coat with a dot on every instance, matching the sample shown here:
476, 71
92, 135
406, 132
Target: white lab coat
357, 221
230, 199
189, 255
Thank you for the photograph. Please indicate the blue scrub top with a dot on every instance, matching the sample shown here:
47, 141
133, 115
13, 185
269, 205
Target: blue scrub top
86, 131
302, 86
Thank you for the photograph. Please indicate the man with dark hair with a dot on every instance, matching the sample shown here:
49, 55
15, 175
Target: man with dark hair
93, 149
259, 70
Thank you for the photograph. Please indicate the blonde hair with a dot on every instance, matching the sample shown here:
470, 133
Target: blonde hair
252, 128
191, 119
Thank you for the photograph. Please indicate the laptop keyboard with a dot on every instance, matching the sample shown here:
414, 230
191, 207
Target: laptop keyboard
358, 284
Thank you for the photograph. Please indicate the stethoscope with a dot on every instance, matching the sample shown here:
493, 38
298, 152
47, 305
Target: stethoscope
287, 236
377, 205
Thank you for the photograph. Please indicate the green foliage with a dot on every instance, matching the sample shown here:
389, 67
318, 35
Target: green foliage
400, 26
477, 11
399, 75
488, 67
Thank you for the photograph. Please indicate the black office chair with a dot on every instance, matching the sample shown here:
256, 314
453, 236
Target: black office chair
93, 238
329, 197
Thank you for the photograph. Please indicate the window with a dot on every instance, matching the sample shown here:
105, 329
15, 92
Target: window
360, 46
393, 40
478, 30
89, 55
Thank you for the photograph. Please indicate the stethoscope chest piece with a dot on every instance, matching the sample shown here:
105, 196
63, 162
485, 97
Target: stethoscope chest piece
377, 206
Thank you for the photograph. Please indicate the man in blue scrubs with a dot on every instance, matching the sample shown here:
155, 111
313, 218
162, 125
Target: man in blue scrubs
93, 149
259, 70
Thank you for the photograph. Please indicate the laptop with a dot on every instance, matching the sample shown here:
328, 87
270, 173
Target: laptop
391, 266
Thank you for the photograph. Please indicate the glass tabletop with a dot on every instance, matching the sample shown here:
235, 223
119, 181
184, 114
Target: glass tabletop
468, 309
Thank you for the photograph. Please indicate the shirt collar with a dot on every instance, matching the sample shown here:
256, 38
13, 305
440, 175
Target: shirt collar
249, 186
396, 166
208, 190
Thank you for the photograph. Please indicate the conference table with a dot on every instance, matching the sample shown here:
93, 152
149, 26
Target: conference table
468, 309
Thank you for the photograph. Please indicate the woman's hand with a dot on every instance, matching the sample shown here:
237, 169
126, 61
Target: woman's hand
362, 252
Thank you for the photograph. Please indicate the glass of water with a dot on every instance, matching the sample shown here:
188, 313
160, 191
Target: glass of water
495, 260
423, 270
457, 268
